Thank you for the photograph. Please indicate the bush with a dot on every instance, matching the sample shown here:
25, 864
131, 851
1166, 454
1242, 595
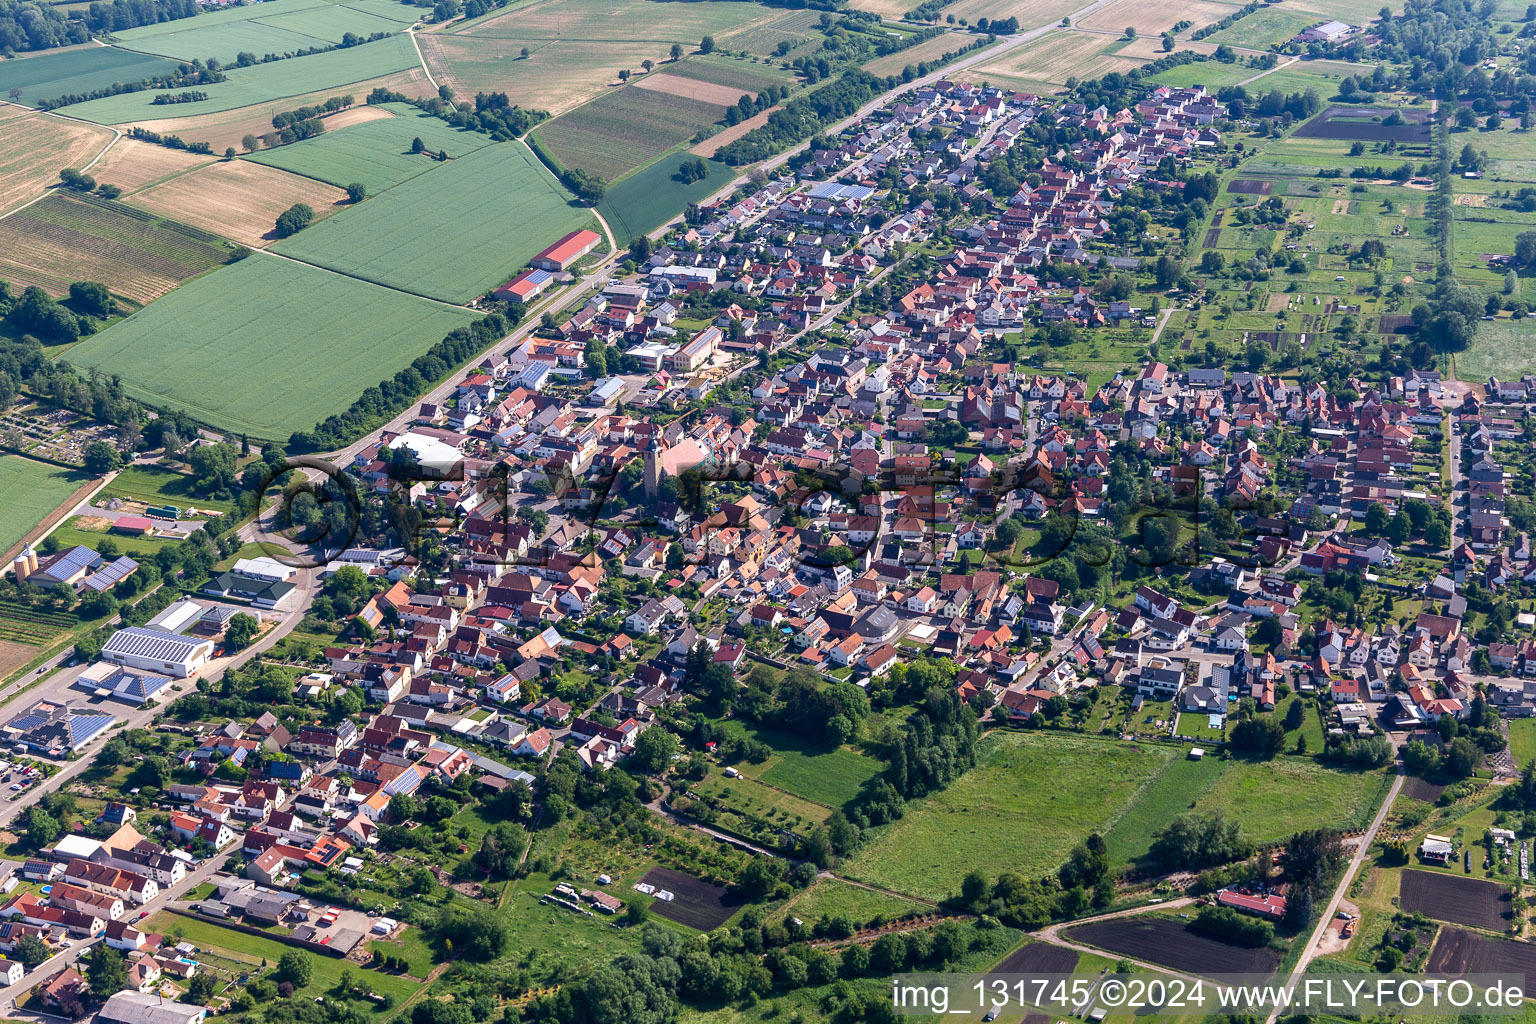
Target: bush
1231, 926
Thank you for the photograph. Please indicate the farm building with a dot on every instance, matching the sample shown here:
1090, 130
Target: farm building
524, 286
566, 251
137, 526
1327, 32
153, 650
1437, 849
1268, 905
606, 392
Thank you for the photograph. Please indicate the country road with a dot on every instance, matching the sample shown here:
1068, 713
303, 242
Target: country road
1323, 919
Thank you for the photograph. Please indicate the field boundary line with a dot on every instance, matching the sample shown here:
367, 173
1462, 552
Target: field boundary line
364, 280
421, 57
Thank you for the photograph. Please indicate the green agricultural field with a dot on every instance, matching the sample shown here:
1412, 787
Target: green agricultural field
1030, 800
254, 951
193, 41
1171, 793
157, 485
1263, 27
262, 83
29, 491
52, 75
834, 896
376, 153
274, 26
267, 346
303, 26
625, 128
1269, 799
499, 206
1209, 73
1272, 799
650, 197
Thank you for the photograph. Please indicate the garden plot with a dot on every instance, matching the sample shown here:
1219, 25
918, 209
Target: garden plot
1446, 897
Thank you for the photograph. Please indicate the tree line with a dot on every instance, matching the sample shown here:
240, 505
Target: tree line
377, 404
25, 25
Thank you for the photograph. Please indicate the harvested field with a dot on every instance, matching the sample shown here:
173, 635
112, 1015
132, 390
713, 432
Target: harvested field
1055, 57
1166, 941
557, 76
131, 164
713, 144
1446, 897
239, 199
626, 128
928, 49
246, 342
360, 114
78, 70
67, 237
227, 128
1355, 123
14, 656
689, 88
1249, 187
577, 46
1038, 958
1462, 952
793, 28
36, 147
696, 903
1153, 17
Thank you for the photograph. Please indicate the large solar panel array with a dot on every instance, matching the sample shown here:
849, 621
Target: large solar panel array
139, 642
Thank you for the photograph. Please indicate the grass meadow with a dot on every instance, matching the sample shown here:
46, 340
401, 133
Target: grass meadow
29, 491
251, 951
1522, 740
1023, 808
376, 153
267, 346
158, 485
262, 83
835, 896
495, 208
827, 777
51, 75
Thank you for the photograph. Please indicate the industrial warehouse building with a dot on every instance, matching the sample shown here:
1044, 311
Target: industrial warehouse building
153, 650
